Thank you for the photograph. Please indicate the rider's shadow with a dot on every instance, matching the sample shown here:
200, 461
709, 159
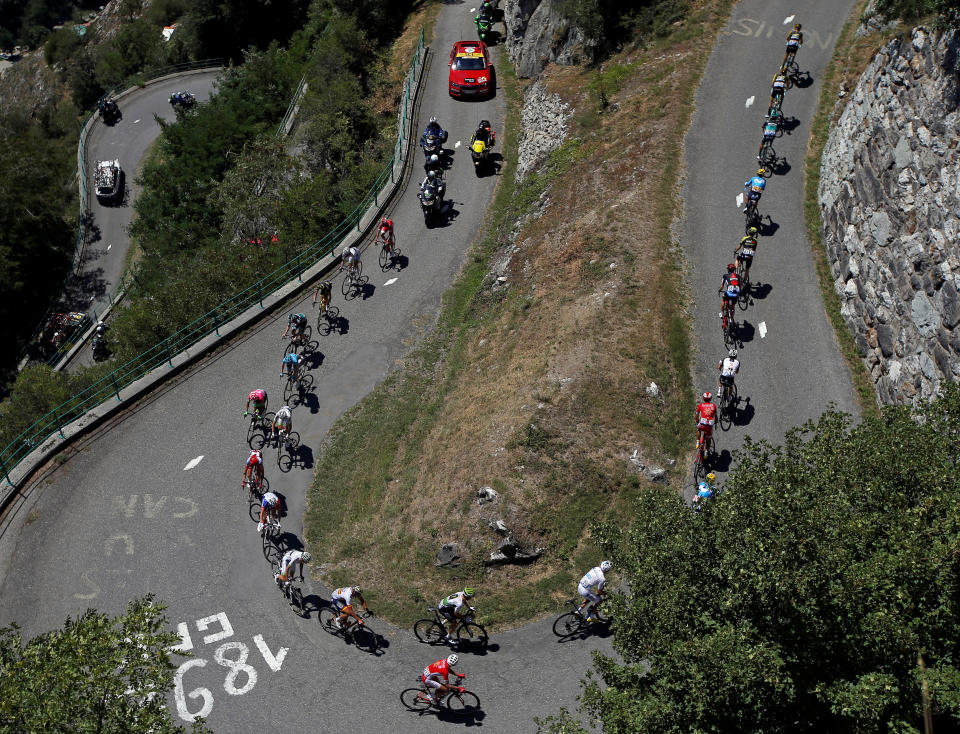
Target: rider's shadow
789, 124
759, 291
744, 332
802, 79
492, 166
311, 603
304, 454
721, 461
780, 167
595, 629
447, 215
399, 262
743, 415
367, 290
313, 359
769, 229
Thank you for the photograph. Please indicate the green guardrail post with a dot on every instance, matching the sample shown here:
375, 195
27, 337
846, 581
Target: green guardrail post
216, 321
299, 269
60, 427
116, 390
260, 292
6, 474
169, 355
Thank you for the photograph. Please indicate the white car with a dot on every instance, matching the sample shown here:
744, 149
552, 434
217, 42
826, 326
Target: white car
108, 181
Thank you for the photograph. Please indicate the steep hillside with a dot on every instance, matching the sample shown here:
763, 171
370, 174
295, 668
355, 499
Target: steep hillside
536, 382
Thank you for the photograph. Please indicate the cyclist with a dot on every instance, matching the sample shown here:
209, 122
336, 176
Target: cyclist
770, 129
296, 323
729, 289
777, 88
454, 609
706, 415
253, 470
746, 250
258, 398
283, 419
350, 258
794, 42
343, 601
728, 367
704, 492
269, 507
324, 291
385, 232
753, 188
293, 560
432, 674
592, 588
290, 366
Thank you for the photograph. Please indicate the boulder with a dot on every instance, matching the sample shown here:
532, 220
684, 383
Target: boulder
448, 555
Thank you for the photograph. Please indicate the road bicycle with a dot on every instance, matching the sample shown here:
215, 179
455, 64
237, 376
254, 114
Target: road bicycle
291, 593
327, 318
726, 403
776, 103
300, 337
253, 490
433, 631
291, 383
702, 456
727, 322
767, 155
457, 702
574, 622
256, 422
751, 214
286, 441
743, 275
388, 250
359, 634
351, 279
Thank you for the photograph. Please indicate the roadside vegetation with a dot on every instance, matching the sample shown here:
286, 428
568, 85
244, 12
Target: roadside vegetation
532, 381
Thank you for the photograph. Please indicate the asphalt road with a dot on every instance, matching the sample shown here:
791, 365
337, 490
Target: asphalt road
123, 516
791, 368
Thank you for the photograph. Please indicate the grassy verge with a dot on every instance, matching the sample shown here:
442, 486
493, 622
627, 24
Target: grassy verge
532, 380
850, 57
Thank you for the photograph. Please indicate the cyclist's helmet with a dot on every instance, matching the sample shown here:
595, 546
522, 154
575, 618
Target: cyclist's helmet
711, 476
469, 591
306, 557
797, 27
753, 231
356, 589
707, 397
732, 353
453, 659
731, 267
273, 500
605, 566
761, 171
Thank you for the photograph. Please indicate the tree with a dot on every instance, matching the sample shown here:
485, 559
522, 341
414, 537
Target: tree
948, 11
97, 673
818, 592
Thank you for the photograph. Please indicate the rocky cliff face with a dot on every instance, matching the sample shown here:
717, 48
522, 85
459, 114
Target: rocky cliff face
536, 34
890, 199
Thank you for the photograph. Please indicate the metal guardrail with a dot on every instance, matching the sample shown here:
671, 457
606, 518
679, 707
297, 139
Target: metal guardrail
209, 323
137, 80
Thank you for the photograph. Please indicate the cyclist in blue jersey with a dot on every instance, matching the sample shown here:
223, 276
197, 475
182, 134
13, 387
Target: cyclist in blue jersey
291, 366
753, 188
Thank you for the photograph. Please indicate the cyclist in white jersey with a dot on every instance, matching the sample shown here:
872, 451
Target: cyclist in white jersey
729, 366
592, 588
269, 507
293, 560
284, 417
343, 599
454, 608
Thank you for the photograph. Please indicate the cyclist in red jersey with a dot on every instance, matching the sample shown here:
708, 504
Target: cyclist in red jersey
433, 672
385, 233
258, 398
706, 415
254, 467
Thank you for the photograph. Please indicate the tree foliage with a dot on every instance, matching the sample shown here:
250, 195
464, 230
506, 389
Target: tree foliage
95, 674
608, 24
817, 593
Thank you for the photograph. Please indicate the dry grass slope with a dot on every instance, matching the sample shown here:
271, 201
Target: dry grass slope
534, 384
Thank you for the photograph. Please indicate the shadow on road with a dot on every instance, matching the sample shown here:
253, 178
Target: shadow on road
744, 332
743, 416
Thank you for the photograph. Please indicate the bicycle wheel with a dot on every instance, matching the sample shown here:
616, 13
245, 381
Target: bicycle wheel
462, 704
328, 617
384, 257
296, 600
566, 624
415, 699
429, 631
255, 511
346, 285
472, 636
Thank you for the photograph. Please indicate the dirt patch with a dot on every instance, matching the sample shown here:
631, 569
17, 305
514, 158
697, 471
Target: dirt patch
534, 381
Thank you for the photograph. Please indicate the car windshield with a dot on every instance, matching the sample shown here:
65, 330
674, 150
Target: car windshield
468, 63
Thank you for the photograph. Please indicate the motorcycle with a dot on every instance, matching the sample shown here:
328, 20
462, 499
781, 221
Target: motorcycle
183, 99
484, 23
109, 111
431, 200
432, 143
100, 342
479, 152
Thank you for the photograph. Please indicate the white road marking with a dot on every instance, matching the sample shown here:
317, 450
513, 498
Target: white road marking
274, 661
186, 643
193, 463
739, 200
788, 19
391, 281
762, 328
749, 101
457, 144
473, 10
108, 247
135, 122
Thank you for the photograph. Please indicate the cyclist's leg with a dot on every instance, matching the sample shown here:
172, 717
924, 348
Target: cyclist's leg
433, 689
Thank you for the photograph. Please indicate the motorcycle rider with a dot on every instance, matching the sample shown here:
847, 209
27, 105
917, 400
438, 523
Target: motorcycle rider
485, 14
433, 128
485, 133
433, 164
434, 181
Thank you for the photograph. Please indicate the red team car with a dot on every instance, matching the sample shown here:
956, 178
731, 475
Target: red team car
470, 70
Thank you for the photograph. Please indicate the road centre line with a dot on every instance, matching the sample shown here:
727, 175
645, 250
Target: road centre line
193, 463
762, 328
391, 281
